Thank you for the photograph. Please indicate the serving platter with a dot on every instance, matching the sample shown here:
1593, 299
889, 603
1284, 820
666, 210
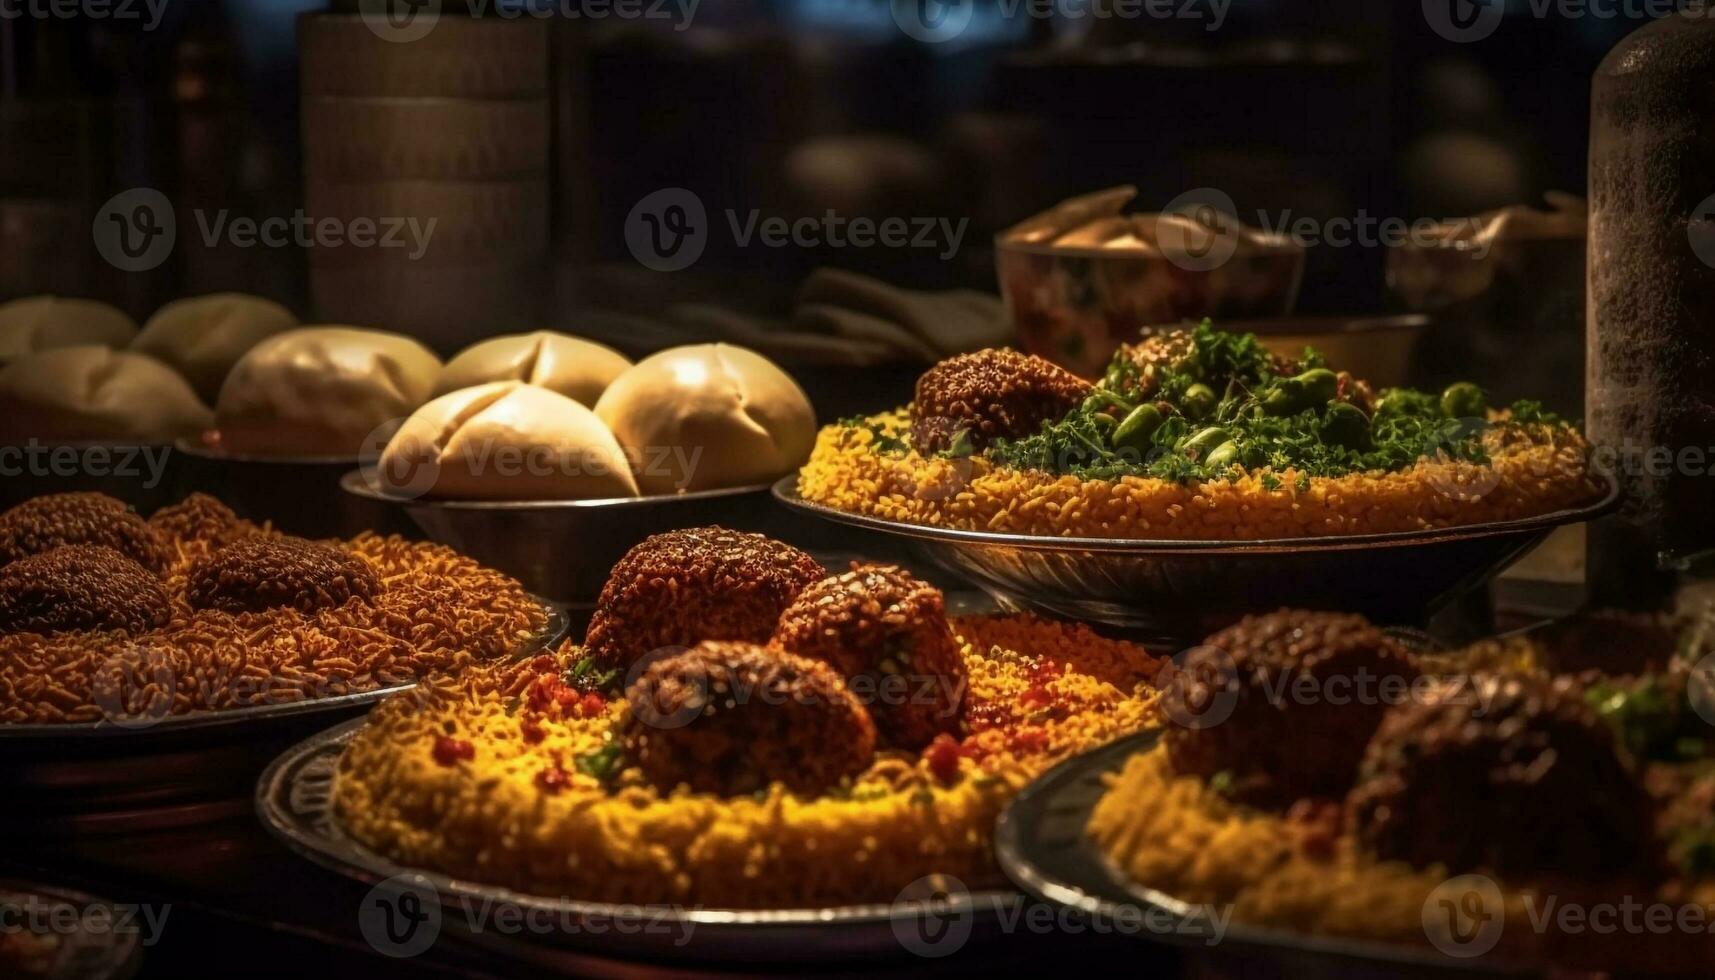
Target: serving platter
103, 945
1177, 591
294, 800
134, 773
1043, 849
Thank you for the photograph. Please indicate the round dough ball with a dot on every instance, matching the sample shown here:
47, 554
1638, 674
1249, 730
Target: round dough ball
708, 416
96, 394
577, 368
323, 391
505, 441
203, 336
39, 323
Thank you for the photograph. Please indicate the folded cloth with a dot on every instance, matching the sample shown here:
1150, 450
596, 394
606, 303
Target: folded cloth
775, 339
943, 323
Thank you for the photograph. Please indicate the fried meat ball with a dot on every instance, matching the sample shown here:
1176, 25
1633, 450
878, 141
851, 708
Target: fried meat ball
1509, 774
1305, 690
200, 517
681, 587
886, 632
47, 522
264, 571
80, 587
990, 394
730, 718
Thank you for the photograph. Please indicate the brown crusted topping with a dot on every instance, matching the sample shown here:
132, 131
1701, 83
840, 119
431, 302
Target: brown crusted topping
989, 394
886, 632
80, 586
1506, 773
262, 572
44, 523
203, 519
731, 718
1284, 702
681, 587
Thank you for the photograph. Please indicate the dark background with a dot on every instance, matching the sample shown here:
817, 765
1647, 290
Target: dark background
792, 106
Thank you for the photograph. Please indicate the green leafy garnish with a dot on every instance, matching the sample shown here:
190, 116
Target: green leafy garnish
603, 764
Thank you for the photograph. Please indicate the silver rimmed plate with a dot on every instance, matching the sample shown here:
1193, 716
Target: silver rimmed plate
1043, 847
294, 800
136, 773
562, 549
86, 938
1180, 591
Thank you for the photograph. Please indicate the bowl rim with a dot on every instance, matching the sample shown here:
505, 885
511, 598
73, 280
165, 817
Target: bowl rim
358, 483
785, 491
1274, 247
201, 450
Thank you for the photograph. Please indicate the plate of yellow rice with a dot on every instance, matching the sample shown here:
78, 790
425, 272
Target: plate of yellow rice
782, 762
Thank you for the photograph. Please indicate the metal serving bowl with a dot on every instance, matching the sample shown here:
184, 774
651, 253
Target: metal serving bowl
294, 800
299, 494
1176, 591
1041, 844
564, 549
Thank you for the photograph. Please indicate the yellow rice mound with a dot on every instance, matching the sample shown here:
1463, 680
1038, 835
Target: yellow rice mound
1178, 836
489, 818
1532, 470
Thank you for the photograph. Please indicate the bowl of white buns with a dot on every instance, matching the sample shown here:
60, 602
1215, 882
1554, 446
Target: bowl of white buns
297, 408
548, 457
85, 405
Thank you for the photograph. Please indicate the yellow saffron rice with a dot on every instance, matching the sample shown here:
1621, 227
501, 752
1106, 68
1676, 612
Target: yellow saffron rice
489, 815
1532, 470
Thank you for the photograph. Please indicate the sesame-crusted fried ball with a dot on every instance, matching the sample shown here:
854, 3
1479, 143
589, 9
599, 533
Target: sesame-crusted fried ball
47, 522
1510, 774
264, 571
1284, 703
80, 587
886, 632
989, 394
731, 718
681, 587
200, 517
